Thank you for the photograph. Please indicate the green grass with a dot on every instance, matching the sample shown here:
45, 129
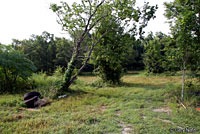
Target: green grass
47, 85
106, 110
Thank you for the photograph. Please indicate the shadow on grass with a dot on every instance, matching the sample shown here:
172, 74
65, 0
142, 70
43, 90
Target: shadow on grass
15, 92
146, 86
116, 93
132, 73
77, 92
87, 74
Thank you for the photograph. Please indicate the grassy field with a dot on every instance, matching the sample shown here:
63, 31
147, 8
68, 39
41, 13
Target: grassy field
141, 105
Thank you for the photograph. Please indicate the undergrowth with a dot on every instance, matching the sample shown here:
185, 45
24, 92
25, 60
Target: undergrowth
48, 86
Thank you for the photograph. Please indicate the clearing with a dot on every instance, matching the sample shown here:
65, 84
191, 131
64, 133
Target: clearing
140, 105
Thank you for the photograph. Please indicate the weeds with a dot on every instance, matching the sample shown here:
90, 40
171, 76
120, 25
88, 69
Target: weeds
48, 86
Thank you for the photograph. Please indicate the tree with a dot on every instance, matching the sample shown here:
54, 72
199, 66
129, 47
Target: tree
45, 51
63, 52
155, 56
109, 54
86, 17
134, 59
13, 66
184, 16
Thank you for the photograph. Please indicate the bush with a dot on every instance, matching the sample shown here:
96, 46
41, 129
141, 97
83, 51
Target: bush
15, 69
48, 86
109, 54
153, 58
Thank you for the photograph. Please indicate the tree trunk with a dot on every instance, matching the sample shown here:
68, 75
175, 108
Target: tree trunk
69, 73
199, 30
69, 78
183, 84
71, 66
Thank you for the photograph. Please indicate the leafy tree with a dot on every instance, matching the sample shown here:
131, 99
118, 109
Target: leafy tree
169, 50
86, 17
109, 54
156, 58
153, 58
63, 52
13, 66
45, 51
184, 16
134, 60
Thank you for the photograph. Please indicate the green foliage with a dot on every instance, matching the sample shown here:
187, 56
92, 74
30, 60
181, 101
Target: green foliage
192, 98
157, 53
153, 58
45, 51
58, 72
191, 93
134, 60
109, 54
12, 101
48, 86
88, 17
15, 68
63, 52
184, 19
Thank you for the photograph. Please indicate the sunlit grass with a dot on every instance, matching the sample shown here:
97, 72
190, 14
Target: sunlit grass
101, 110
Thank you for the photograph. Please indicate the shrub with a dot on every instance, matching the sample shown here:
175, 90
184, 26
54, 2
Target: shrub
109, 54
48, 86
15, 69
153, 58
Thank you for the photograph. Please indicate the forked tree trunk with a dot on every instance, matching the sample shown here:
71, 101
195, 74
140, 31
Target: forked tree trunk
69, 77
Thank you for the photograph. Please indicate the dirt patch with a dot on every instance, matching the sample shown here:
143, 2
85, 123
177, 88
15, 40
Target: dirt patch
144, 117
32, 109
102, 108
163, 110
19, 116
126, 128
168, 121
118, 113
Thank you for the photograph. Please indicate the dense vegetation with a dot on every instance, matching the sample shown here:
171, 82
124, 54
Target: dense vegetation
15, 68
96, 69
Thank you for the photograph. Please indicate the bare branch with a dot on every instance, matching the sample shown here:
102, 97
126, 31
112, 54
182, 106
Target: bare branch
83, 3
90, 7
94, 24
61, 21
88, 57
97, 21
88, 23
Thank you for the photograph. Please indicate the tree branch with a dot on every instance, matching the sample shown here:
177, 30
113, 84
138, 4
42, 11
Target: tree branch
88, 57
61, 22
96, 22
90, 17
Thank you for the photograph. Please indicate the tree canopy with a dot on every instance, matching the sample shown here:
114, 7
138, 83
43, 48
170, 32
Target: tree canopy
184, 19
87, 16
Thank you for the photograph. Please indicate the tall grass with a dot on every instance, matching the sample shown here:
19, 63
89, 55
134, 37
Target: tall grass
48, 86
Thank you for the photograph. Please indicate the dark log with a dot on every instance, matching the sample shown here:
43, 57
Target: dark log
30, 103
30, 95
